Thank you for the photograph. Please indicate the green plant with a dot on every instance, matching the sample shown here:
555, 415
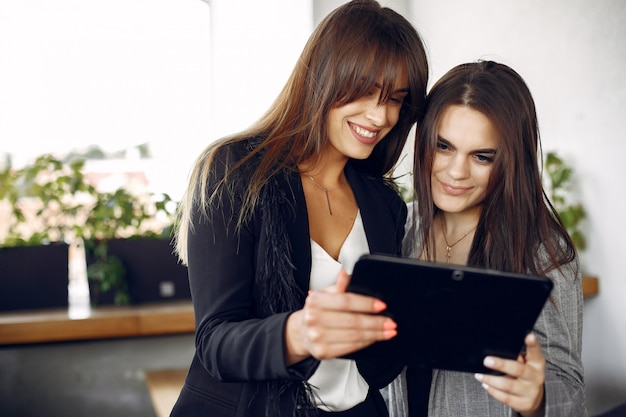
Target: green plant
122, 214
46, 200
559, 177
52, 200
107, 274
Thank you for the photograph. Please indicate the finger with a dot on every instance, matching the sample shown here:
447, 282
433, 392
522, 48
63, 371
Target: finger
509, 367
330, 343
356, 337
343, 280
522, 386
521, 396
341, 284
348, 302
534, 356
328, 319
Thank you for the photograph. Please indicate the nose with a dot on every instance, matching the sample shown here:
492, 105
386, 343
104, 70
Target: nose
377, 114
458, 167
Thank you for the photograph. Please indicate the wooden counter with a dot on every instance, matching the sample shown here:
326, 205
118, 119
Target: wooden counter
99, 323
590, 286
110, 322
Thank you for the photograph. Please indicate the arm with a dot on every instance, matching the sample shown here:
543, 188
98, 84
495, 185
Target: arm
232, 342
559, 330
548, 380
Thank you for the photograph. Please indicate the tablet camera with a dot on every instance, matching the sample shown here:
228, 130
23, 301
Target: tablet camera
457, 275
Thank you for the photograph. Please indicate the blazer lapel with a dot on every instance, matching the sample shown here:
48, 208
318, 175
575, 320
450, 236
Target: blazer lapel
378, 221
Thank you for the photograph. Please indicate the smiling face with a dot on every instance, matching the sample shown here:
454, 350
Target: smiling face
354, 129
466, 147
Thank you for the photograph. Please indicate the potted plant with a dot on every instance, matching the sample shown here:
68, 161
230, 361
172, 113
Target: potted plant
130, 252
50, 204
559, 183
42, 210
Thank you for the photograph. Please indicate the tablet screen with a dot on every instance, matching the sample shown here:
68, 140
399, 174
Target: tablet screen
449, 316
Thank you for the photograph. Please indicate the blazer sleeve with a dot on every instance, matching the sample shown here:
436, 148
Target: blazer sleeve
559, 330
231, 343
384, 214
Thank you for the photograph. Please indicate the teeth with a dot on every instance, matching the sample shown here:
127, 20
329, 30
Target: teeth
363, 132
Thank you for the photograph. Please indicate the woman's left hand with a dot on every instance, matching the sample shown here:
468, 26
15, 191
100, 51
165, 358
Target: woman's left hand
522, 386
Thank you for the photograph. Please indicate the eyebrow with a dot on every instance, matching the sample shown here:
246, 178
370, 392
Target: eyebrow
399, 90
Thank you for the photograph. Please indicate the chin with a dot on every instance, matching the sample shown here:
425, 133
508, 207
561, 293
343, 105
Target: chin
361, 154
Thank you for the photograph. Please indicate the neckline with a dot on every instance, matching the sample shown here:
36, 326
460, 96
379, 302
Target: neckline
352, 231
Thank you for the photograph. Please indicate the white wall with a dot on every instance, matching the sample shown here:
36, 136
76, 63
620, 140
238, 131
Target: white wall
117, 74
174, 73
255, 45
572, 54
322, 7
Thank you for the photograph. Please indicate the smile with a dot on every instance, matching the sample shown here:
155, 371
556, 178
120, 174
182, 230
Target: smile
364, 132
455, 191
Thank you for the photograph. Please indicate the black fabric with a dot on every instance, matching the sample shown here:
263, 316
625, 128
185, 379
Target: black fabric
373, 406
619, 411
418, 385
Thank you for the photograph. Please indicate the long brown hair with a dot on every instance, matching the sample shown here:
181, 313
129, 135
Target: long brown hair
340, 63
517, 220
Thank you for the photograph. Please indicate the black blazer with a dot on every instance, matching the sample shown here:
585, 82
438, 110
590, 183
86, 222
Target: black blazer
237, 351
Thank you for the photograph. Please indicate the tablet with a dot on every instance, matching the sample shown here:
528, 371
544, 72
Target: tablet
449, 316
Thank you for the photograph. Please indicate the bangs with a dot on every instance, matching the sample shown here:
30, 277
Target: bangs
362, 70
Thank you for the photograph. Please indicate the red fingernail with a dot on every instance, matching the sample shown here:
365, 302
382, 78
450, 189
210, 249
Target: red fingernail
390, 333
390, 325
379, 305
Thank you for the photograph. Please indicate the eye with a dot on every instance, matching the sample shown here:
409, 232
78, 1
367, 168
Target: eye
396, 99
442, 146
484, 158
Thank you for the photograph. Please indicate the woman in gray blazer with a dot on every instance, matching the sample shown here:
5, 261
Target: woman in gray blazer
480, 202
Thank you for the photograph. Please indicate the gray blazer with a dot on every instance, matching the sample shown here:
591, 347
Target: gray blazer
559, 330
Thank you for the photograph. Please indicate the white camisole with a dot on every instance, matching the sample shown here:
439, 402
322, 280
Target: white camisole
336, 383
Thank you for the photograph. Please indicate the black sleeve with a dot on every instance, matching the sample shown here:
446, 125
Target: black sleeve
231, 343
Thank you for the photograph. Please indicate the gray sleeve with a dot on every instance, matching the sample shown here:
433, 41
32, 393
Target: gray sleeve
411, 246
398, 397
559, 330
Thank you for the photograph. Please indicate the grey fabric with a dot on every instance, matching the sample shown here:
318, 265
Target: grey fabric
559, 331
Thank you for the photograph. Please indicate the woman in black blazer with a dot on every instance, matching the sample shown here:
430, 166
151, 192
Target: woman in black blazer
275, 217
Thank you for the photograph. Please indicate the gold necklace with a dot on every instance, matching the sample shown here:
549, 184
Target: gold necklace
326, 191
450, 246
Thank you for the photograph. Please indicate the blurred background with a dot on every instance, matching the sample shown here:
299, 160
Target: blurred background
149, 83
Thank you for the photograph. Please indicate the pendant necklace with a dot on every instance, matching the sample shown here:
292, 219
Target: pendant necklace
326, 191
450, 246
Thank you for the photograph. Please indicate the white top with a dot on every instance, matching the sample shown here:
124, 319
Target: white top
337, 383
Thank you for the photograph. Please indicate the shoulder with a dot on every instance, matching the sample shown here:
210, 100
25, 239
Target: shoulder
229, 151
228, 161
381, 206
566, 266
386, 192
412, 244
385, 188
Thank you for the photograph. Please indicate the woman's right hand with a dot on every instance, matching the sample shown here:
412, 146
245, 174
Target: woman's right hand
333, 323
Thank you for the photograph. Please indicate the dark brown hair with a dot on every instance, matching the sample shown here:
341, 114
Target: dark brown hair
517, 220
340, 63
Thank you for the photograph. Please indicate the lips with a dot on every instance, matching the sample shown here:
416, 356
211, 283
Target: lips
454, 190
364, 135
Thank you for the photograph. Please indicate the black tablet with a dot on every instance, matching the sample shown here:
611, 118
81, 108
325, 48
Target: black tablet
449, 316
